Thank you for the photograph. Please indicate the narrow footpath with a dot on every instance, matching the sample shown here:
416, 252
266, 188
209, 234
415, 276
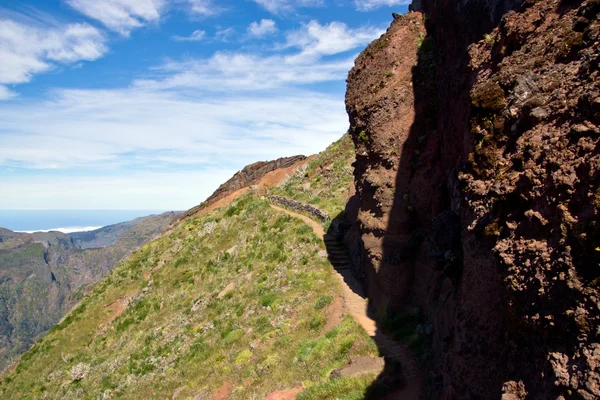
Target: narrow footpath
355, 303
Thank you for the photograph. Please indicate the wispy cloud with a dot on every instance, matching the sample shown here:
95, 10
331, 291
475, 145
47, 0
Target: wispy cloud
28, 48
243, 72
140, 128
369, 5
316, 40
225, 34
308, 63
263, 28
121, 16
126, 139
196, 36
203, 7
6, 93
212, 114
286, 6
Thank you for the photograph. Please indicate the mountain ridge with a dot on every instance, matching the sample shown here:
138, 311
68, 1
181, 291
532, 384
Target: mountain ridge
43, 274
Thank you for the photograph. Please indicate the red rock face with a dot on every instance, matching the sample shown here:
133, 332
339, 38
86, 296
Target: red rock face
248, 176
478, 190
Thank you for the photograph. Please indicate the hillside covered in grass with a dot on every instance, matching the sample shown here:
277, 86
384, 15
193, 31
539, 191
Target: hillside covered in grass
239, 301
325, 180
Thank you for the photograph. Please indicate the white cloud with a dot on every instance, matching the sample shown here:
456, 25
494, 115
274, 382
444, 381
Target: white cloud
309, 64
225, 34
133, 127
212, 115
368, 5
244, 72
286, 6
121, 16
26, 50
6, 93
121, 143
196, 36
263, 28
316, 40
203, 7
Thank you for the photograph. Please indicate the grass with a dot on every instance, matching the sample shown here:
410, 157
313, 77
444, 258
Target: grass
326, 180
175, 333
410, 328
339, 389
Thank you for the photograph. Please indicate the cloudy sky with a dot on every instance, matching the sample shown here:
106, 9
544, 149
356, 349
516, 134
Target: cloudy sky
151, 104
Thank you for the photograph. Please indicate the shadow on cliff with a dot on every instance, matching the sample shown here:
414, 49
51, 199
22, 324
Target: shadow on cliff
419, 276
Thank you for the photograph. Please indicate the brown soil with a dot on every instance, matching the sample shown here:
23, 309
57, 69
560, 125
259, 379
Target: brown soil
223, 392
289, 394
334, 313
115, 309
360, 365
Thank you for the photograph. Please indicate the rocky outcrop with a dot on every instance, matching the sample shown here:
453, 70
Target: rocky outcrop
248, 176
251, 174
477, 182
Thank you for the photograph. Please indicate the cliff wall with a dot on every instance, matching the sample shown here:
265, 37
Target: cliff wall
475, 126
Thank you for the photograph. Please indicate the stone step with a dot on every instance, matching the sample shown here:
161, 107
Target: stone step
340, 265
335, 248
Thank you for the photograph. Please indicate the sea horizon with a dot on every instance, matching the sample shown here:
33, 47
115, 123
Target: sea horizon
66, 221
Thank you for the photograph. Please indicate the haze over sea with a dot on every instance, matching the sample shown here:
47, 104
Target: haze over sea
66, 220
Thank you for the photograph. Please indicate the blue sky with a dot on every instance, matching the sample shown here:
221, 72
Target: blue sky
151, 104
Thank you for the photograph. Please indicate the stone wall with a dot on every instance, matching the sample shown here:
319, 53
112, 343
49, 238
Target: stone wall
301, 207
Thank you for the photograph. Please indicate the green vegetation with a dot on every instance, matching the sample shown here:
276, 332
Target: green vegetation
162, 322
488, 96
45, 274
325, 181
420, 40
410, 328
342, 389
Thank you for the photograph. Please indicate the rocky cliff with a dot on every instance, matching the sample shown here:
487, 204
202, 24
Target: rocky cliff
475, 125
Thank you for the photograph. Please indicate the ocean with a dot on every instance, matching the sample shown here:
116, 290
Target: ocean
66, 221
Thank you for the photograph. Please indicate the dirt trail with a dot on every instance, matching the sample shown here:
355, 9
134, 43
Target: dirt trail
356, 304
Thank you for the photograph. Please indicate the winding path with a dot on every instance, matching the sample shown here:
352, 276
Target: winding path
356, 305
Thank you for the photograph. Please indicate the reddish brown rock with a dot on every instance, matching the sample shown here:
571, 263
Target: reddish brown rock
478, 190
289, 394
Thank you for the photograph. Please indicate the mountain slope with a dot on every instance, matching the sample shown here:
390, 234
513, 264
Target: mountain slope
104, 236
325, 181
42, 275
242, 301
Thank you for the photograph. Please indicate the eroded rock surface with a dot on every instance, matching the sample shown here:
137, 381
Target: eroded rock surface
477, 183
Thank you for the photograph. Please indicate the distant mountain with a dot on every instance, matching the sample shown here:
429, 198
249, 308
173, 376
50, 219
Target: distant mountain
43, 274
104, 236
